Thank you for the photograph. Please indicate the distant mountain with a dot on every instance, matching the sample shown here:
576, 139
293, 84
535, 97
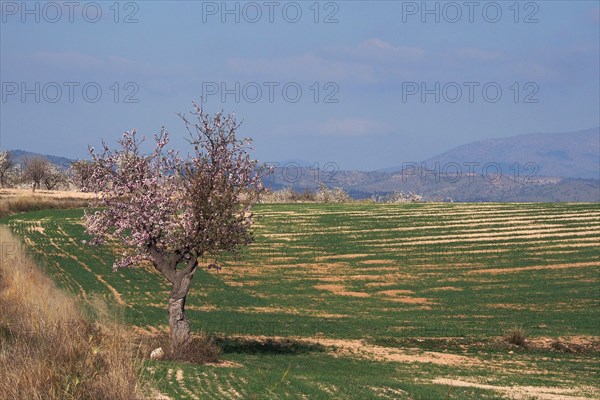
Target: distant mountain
444, 186
529, 167
567, 154
551, 168
20, 155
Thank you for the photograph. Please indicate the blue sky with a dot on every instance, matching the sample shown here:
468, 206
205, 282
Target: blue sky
381, 82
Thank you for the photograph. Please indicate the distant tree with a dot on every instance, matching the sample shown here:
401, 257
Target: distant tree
335, 195
170, 210
55, 177
7, 165
81, 172
35, 170
401, 197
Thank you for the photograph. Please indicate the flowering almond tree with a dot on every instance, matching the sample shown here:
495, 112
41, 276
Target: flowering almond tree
172, 210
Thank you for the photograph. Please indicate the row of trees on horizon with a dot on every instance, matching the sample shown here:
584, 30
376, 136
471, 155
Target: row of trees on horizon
40, 173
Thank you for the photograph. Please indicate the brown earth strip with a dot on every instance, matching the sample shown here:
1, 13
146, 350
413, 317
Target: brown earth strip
495, 271
360, 349
341, 290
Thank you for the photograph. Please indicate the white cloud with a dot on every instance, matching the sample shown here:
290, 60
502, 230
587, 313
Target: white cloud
382, 50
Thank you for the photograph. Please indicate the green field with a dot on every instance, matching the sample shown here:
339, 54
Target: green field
370, 301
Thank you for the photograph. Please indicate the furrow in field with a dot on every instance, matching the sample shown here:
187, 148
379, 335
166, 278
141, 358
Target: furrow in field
527, 234
465, 228
496, 271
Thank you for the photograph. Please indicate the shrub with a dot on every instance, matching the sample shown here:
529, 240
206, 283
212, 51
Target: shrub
200, 349
517, 336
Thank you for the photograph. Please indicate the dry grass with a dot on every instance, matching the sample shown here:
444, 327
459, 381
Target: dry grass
19, 200
516, 336
48, 350
56, 194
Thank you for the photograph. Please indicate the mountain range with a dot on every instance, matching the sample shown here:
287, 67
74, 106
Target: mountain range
531, 167
568, 154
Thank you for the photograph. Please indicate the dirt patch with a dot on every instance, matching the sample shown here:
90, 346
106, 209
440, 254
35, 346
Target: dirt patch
180, 379
204, 307
445, 289
225, 364
346, 256
359, 349
332, 279
388, 392
498, 236
275, 260
242, 284
292, 311
400, 296
268, 310
519, 392
341, 290
394, 293
529, 307
569, 344
317, 265
328, 315
376, 262
496, 271
411, 300
380, 284
114, 291
39, 229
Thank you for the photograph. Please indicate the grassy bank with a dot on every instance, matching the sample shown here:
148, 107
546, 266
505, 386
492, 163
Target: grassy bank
48, 348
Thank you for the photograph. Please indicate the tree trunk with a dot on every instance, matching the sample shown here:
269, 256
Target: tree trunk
180, 326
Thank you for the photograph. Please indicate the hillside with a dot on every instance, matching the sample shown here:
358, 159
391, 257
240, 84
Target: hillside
440, 186
535, 167
21, 155
567, 154
530, 167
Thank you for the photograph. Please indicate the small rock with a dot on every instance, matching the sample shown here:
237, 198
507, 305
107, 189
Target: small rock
511, 352
157, 354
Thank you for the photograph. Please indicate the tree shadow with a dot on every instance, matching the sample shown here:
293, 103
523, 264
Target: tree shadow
266, 346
